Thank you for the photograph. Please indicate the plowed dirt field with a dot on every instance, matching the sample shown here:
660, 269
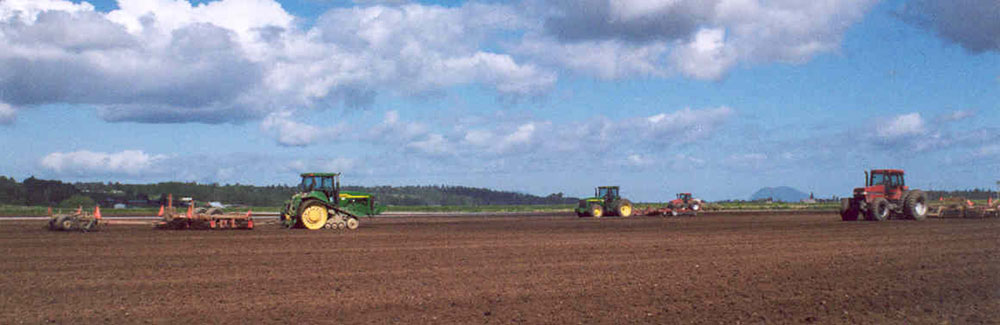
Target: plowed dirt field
541, 269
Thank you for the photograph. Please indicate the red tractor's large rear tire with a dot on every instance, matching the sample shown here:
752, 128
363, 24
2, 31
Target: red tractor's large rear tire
847, 210
915, 205
879, 210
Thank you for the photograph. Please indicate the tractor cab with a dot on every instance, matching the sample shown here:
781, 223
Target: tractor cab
327, 183
888, 183
608, 193
684, 197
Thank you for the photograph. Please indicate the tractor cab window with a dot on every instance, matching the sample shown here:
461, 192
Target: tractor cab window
684, 196
879, 179
326, 183
896, 180
308, 184
602, 192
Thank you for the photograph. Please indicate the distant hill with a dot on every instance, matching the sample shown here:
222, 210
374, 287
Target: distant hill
780, 193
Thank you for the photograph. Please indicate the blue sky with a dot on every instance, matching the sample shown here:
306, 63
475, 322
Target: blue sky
719, 98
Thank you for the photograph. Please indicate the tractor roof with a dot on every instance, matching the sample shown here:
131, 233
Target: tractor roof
887, 171
606, 186
320, 174
683, 193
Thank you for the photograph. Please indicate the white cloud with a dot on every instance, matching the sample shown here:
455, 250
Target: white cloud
685, 125
902, 126
295, 134
705, 38
168, 61
7, 114
706, 56
126, 162
394, 130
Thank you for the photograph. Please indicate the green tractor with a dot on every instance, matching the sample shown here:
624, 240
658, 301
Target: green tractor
606, 202
321, 204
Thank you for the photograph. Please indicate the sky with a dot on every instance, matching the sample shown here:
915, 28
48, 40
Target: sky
715, 97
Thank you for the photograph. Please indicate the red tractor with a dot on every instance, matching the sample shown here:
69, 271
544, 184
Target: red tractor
885, 195
684, 204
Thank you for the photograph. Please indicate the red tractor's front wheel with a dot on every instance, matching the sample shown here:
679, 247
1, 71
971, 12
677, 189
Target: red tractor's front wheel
879, 210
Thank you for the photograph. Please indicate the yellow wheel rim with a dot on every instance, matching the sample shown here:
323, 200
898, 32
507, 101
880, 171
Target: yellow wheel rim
596, 212
314, 217
625, 211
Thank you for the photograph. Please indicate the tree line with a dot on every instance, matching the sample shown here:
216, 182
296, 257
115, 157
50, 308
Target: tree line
38, 192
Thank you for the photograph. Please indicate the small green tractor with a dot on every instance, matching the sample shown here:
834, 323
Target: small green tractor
606, 202
321, 204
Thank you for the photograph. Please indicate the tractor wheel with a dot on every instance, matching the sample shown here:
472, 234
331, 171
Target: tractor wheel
847, 211
352, 223
915, 205
66, 223
625, 208
596, 210
313, 215
879, 210
695, 207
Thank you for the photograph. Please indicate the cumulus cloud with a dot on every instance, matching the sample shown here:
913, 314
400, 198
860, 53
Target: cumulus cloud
83, 162
7, 114
289, 132
699, 39
232, 60
972, 24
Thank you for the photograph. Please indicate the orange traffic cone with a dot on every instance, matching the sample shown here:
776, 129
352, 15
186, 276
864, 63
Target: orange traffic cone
97, 212
190, 210
989, 201
160, 214
79, 209
50, 211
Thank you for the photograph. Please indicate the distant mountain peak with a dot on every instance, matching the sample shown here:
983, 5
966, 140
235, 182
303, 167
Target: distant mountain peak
780, 193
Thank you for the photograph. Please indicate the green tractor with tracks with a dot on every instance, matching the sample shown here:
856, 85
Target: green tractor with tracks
320, 203
605, 202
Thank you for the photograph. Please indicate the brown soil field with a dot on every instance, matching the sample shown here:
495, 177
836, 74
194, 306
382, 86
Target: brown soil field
802, 268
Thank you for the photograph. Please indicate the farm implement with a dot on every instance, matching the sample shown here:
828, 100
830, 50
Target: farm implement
321, 204
605, 202
79, 220
684, 204
958, 207
202, 218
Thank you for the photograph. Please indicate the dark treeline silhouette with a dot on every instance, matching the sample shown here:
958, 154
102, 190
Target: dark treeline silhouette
39, 192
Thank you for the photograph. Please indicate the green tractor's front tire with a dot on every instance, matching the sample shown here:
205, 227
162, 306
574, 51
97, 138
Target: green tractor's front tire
313, 215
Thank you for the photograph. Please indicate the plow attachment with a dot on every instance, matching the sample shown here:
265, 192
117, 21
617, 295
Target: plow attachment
202, 219
957, 207
77, 221
667, 211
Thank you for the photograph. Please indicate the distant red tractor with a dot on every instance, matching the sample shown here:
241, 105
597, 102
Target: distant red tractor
684, 204
884, 196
